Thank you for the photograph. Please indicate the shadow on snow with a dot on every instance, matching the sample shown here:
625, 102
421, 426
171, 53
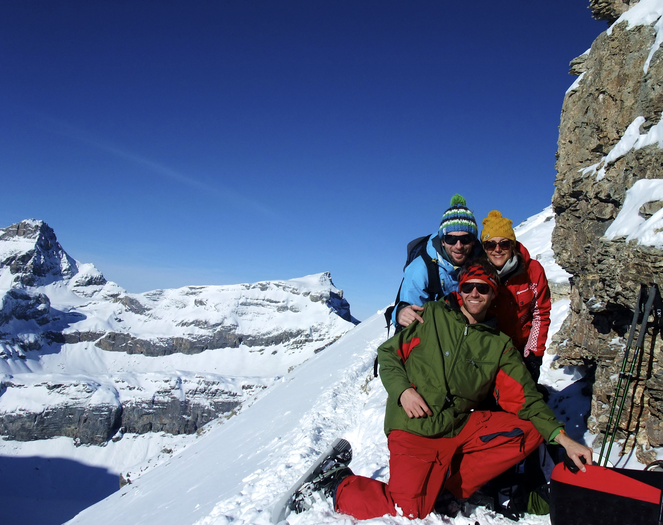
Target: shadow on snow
50, 491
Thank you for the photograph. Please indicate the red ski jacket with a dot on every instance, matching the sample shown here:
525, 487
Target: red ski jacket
522, 305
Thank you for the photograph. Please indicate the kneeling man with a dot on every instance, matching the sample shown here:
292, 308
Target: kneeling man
436, 374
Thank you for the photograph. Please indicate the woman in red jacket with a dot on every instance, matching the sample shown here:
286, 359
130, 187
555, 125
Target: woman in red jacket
522, 305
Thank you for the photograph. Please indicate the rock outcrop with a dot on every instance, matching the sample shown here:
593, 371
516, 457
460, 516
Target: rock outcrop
610, 10
609, 143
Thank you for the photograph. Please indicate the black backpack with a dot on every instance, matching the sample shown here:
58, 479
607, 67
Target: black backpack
415, 248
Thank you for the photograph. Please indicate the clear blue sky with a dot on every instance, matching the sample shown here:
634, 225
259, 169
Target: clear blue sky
187, 142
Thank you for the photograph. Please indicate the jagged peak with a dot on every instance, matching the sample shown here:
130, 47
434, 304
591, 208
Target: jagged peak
28, 228
30, 255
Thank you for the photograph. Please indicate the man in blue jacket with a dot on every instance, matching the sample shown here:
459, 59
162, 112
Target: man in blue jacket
449, 248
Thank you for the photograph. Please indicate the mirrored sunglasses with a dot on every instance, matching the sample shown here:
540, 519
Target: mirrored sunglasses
482, 288
490, 246
453, 239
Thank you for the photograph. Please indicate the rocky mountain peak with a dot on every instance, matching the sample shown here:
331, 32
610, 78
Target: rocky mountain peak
31, 253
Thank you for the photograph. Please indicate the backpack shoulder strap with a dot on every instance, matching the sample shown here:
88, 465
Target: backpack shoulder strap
416, 248
434, 283
389, 312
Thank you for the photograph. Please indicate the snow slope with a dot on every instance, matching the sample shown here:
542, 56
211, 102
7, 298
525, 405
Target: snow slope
239, 468
536, 235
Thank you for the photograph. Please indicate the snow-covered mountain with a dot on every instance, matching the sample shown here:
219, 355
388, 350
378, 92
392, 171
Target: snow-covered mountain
234, 469
83, 359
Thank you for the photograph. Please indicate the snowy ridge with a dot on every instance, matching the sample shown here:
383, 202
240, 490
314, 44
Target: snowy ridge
43, 293
158, 348
536, 235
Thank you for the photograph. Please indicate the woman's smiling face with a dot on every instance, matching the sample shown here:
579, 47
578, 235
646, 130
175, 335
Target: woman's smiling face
499, 250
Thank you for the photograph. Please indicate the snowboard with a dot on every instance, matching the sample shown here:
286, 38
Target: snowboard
340, 451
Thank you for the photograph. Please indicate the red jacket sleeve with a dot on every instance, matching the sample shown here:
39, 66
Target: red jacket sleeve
538, 335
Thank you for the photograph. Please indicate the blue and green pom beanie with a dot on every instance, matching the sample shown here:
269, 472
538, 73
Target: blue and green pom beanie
458, 218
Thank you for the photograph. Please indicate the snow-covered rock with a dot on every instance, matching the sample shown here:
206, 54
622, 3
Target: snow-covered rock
31, 255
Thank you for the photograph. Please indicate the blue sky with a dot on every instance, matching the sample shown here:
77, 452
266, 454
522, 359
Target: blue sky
174, 143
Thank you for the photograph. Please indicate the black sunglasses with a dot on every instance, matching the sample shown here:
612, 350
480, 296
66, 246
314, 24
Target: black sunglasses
482, 288
453, 239
490, 246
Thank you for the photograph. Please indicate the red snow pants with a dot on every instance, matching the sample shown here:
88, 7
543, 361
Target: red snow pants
419, 467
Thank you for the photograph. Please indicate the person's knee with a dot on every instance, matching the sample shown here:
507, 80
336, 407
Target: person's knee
412, 508
363, 498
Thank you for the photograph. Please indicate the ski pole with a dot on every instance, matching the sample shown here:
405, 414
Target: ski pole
636, 312
653, 290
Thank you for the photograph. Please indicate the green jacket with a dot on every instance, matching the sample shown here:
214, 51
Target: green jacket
455, 365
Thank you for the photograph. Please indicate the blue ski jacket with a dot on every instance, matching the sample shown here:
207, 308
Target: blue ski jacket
414, 289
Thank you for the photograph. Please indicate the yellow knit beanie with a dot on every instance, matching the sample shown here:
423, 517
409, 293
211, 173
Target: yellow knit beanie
497, 226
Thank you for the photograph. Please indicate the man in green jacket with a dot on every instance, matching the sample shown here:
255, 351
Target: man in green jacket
436, 373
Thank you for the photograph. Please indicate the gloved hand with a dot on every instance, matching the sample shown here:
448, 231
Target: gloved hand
533, 364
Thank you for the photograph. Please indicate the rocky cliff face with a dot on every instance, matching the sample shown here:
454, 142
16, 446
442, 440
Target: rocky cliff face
93, 412
33, 254
80, 357
609, 144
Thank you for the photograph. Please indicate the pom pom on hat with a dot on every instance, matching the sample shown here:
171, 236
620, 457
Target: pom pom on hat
458, 218
497, 226
458, 199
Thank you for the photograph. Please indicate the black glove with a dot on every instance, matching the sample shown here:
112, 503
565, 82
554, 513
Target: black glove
533, 364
